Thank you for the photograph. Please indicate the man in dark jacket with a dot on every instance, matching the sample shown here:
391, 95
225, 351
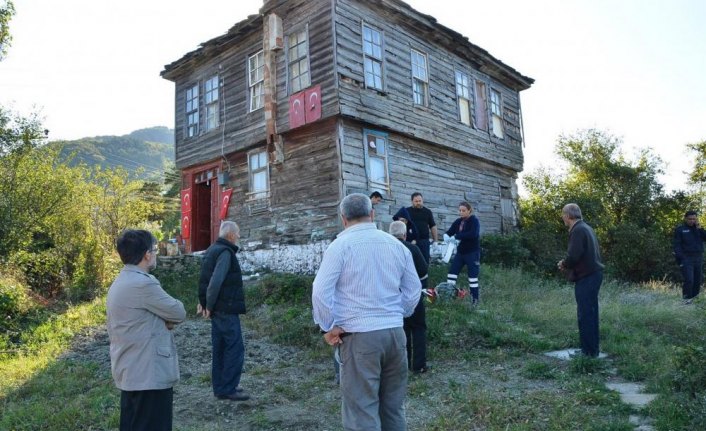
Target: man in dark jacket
583, 266
688, 243
415, 326
221, 298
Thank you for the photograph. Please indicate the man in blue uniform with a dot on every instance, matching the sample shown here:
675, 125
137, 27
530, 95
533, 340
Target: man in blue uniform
688, 243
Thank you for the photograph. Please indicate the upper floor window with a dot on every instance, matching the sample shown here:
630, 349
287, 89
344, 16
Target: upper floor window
496, 110
256, 76
376, 151
298, 61
192, 111
259, 177
372, 57
463, 94
420, 78
481, 107
210, 98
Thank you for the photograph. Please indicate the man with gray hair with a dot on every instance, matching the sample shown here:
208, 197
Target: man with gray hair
415, 326
222, 299
583, 266
365, 286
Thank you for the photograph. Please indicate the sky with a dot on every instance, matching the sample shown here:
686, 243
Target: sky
633, 68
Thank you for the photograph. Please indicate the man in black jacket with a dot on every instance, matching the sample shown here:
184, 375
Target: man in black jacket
688, 243
583, 266
415, 326
221, 298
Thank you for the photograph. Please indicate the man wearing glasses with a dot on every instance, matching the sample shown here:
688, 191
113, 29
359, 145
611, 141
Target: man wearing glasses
143, 355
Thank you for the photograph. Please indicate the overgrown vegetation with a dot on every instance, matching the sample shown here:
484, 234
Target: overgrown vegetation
509, 384
621, 198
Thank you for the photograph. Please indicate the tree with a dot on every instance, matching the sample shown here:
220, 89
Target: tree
7, 11
620, 198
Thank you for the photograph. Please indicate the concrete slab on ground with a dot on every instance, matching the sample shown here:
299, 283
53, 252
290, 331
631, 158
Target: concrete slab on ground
631, 393
566, 354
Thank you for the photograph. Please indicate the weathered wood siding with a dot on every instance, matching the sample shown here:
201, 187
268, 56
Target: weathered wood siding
394, 108
242, 127
316, 15
304, 191
444, 176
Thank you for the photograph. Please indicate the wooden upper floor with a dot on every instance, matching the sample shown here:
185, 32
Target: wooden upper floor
377, 61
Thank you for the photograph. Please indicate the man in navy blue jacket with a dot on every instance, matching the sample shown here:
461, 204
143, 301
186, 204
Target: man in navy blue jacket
688, 243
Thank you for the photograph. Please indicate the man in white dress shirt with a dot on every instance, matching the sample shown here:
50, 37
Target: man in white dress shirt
364, 288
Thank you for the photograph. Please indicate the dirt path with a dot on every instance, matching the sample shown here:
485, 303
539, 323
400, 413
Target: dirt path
293, 391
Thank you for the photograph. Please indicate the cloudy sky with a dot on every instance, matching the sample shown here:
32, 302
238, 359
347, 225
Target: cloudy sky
635, 68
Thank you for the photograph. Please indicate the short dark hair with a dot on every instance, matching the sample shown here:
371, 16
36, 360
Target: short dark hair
375, 194
467, 205
690, 213
415, 194
133, 244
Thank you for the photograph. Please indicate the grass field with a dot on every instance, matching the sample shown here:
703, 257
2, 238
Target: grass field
489, 371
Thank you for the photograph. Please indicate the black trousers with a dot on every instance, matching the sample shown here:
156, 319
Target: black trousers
146, 410
415, 328
586, 293
692, 271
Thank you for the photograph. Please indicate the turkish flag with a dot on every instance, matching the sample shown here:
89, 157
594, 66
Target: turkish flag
225, 201
312, 104
186, 225
186, 200
297, 116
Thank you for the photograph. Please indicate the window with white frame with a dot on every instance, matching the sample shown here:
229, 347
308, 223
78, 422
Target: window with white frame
210, 98
376, 151
256, 76
420, 78
259, 178
192, 111
496, 110
372, 57
298, 61
463, 94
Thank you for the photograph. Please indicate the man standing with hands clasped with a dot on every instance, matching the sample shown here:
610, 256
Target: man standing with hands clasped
583, 266
222, 299
365, 286
688, 243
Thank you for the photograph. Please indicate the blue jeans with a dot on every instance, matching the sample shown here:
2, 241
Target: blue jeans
228, 353
586, 293
692, 271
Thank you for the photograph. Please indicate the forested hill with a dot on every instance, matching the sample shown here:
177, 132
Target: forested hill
146, 153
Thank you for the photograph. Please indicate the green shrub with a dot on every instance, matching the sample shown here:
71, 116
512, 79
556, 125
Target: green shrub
13, 297
286, 289
638, 254
506, 250
45, 271
689, 375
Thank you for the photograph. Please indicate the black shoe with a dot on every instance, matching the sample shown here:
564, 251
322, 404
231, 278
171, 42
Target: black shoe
239, 395
422, 370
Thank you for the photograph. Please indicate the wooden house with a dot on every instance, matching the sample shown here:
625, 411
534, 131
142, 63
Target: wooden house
310, 100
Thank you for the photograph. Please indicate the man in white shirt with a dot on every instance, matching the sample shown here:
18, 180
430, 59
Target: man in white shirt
364, 288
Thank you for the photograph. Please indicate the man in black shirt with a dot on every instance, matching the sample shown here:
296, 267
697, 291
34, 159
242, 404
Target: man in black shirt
424, 223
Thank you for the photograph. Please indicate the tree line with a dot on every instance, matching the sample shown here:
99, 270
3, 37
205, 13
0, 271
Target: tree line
622, 199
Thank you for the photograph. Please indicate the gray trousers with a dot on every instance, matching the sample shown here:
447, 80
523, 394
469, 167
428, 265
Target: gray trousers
374, 380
